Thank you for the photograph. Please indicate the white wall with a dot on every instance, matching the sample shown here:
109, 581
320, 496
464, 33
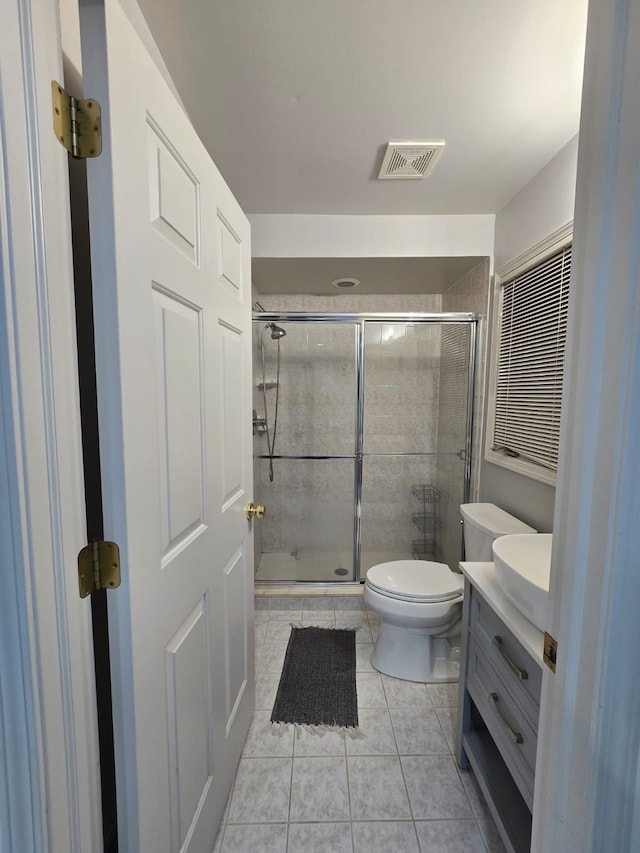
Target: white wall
540, 208
296, 236
70, 38
545, 204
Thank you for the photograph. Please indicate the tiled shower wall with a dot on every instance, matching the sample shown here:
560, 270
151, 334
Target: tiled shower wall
470, 293
352, 303
317, 416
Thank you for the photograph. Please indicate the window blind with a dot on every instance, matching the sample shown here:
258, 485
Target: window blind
533, 331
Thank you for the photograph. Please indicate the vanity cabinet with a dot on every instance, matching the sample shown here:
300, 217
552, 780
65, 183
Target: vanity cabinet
499, 702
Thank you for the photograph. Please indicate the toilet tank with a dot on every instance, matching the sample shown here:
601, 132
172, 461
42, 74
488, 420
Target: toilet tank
484, 522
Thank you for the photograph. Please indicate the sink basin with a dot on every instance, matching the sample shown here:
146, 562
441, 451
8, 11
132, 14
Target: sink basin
523, 562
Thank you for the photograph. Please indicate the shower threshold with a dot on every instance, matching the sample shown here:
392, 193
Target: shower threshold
319, 566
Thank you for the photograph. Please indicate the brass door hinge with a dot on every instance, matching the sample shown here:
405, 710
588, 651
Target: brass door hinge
77, 123
98, 567
550, 651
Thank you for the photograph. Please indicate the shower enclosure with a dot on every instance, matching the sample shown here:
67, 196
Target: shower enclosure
371, 454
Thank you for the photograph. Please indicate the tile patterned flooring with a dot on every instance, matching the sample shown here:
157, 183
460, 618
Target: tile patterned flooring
394, 789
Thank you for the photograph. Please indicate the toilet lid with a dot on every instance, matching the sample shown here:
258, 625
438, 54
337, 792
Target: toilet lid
415, 580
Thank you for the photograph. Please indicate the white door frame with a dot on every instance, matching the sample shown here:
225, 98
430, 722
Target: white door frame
587, 794
49, 784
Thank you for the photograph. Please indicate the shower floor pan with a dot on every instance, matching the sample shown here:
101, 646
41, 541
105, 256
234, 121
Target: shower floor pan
320, 566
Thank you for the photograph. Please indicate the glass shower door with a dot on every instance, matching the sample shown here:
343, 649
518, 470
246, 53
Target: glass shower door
415, 441
308, 531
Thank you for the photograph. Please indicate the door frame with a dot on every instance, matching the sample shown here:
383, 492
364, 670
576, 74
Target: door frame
587, 771
49, 800
591, 663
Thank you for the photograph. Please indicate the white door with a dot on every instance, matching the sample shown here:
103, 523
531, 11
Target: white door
172, 291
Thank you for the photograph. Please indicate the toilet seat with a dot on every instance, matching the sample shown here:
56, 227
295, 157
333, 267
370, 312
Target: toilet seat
419, 581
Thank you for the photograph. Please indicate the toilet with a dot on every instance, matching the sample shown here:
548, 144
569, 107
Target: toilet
420, 602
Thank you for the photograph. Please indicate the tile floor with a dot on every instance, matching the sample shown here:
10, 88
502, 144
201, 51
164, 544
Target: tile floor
394, 789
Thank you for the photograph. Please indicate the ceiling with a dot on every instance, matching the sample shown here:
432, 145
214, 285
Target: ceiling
296, 99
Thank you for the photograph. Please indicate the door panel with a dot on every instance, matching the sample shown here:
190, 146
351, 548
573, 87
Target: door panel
173, 195
189, 713
181, 419
170, 252
232, 371
230, 271
236, 648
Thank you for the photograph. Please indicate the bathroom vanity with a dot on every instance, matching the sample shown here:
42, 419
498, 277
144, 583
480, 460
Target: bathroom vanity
499, 701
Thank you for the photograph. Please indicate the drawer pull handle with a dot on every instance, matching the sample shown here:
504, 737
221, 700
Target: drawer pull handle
513, 735
522, 674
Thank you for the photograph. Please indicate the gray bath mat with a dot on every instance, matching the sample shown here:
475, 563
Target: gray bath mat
318, 682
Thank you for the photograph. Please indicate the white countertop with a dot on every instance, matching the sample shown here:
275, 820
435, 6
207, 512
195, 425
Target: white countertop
484, 579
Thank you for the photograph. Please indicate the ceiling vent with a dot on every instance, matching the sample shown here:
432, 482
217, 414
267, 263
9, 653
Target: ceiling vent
410, 160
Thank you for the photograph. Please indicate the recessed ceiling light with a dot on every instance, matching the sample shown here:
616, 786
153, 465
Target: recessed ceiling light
345, 283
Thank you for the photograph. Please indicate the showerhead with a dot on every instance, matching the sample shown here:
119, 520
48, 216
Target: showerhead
277, 332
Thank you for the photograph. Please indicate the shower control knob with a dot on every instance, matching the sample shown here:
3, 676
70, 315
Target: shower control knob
257, 511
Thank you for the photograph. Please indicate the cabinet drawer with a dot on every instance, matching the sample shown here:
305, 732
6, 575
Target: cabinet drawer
519, 671
507, 724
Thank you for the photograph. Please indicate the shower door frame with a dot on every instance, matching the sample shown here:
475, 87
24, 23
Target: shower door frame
359, 321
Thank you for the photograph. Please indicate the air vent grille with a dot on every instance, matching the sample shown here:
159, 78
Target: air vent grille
410, 160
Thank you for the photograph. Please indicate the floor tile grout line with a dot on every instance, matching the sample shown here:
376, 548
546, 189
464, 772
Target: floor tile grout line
484, 841
346, 773
254, 822
406, 787
393, 729
475, 817
415, 830
291, 788
346, 765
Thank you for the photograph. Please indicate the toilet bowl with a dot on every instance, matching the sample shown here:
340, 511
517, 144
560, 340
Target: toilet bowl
420, 603
420, 607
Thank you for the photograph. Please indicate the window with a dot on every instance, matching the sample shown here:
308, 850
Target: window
524, 431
